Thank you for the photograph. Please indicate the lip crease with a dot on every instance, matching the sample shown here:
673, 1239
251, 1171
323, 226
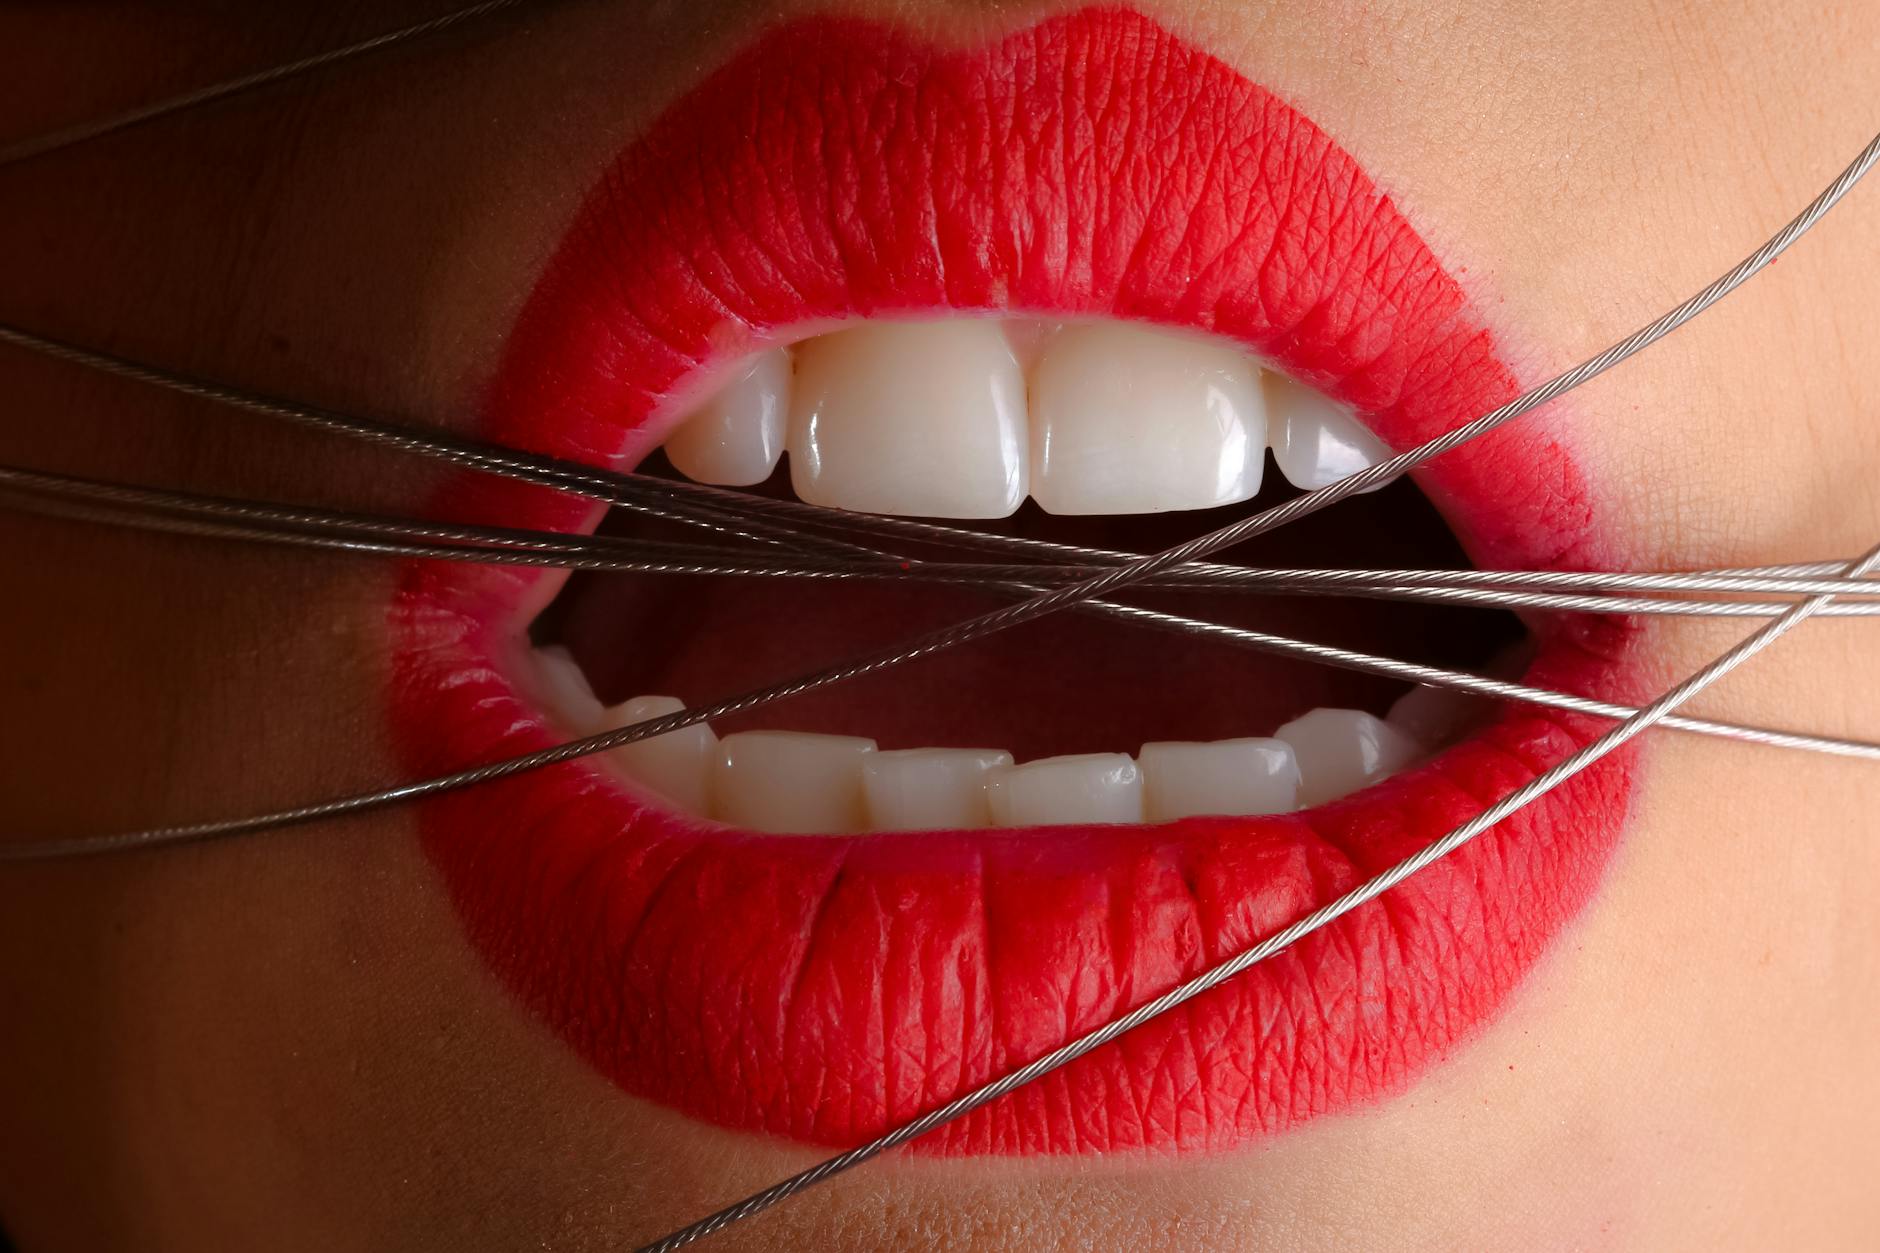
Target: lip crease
826, 989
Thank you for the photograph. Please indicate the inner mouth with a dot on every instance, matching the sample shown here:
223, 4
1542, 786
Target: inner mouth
1099, 433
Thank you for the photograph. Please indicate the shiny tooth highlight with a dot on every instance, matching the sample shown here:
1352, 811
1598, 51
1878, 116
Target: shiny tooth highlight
1083, 787
1245, 776
677, 765
736, 438
918, 789
919, 418
563, 690
1315, 440
791, 782
1129, 419
1341, 750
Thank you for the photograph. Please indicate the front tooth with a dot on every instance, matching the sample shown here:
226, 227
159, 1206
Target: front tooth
563, 690
1315, 441
678, 764
1341, 750
1087, 787
791, 781
1125, 419
1248, 776
918, 789
921, 418
1028, 336
735, 439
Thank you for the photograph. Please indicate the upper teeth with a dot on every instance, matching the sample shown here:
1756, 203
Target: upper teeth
960, 418
790, 781
1319, 443
736, 438
910, 417
1127, 420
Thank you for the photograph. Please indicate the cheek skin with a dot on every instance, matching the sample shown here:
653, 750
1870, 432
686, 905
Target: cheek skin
297, 1031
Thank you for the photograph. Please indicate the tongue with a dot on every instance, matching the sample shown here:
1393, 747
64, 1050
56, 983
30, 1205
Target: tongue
1069, 683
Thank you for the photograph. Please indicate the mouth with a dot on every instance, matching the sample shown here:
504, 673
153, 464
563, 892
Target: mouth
1083, 283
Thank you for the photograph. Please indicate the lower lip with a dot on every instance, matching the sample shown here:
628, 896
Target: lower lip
826, 989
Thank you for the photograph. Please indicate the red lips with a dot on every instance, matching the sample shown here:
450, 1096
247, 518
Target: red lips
828, 988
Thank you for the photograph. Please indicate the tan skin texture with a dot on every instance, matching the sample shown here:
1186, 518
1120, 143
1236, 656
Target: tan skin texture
285, 1043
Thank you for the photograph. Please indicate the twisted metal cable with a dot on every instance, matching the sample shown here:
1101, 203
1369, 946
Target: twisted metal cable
633, 490
210, 516
1027, 610
1278, 942
83, 132
569, 476
310, 526
1135, 571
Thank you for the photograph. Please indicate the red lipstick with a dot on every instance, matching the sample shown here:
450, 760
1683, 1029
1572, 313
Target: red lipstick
826, 989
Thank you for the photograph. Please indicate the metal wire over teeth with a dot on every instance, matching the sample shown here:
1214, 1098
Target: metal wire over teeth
216, 517
1080, 583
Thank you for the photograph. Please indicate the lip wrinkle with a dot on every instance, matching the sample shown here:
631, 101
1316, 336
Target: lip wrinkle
825, 989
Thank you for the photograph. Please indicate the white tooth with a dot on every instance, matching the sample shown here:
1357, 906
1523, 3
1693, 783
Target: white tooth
791, 781
1250, 776
736, 437
1439, 716
1341, 750
1125, 419
918, 789
563, 690
1435, 716
677, 765
1316, 441
1028, 336
921, 418
1088, 787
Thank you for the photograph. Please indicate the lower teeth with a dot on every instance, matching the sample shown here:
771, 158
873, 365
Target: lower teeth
882, 418
809, 783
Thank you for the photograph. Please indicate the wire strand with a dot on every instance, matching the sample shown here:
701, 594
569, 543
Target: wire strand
41, 145
680, 561
1272, 945
310, 526
1012, 615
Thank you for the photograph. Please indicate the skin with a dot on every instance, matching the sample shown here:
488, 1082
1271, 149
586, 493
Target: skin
285, 1042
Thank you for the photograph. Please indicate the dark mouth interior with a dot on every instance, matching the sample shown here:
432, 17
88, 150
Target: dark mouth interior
1067, 683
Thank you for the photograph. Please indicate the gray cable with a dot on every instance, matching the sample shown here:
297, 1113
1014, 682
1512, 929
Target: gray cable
679, 562
1035, 607
1140, 570
70, 136
1276, 943
634, 491
309, 526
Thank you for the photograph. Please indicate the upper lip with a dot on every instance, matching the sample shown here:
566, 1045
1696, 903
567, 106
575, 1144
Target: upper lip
828, 988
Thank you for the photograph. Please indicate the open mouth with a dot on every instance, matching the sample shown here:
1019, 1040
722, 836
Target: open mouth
1083, 283
1108, 428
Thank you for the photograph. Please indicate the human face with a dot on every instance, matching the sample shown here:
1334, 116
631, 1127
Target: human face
330, 1023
